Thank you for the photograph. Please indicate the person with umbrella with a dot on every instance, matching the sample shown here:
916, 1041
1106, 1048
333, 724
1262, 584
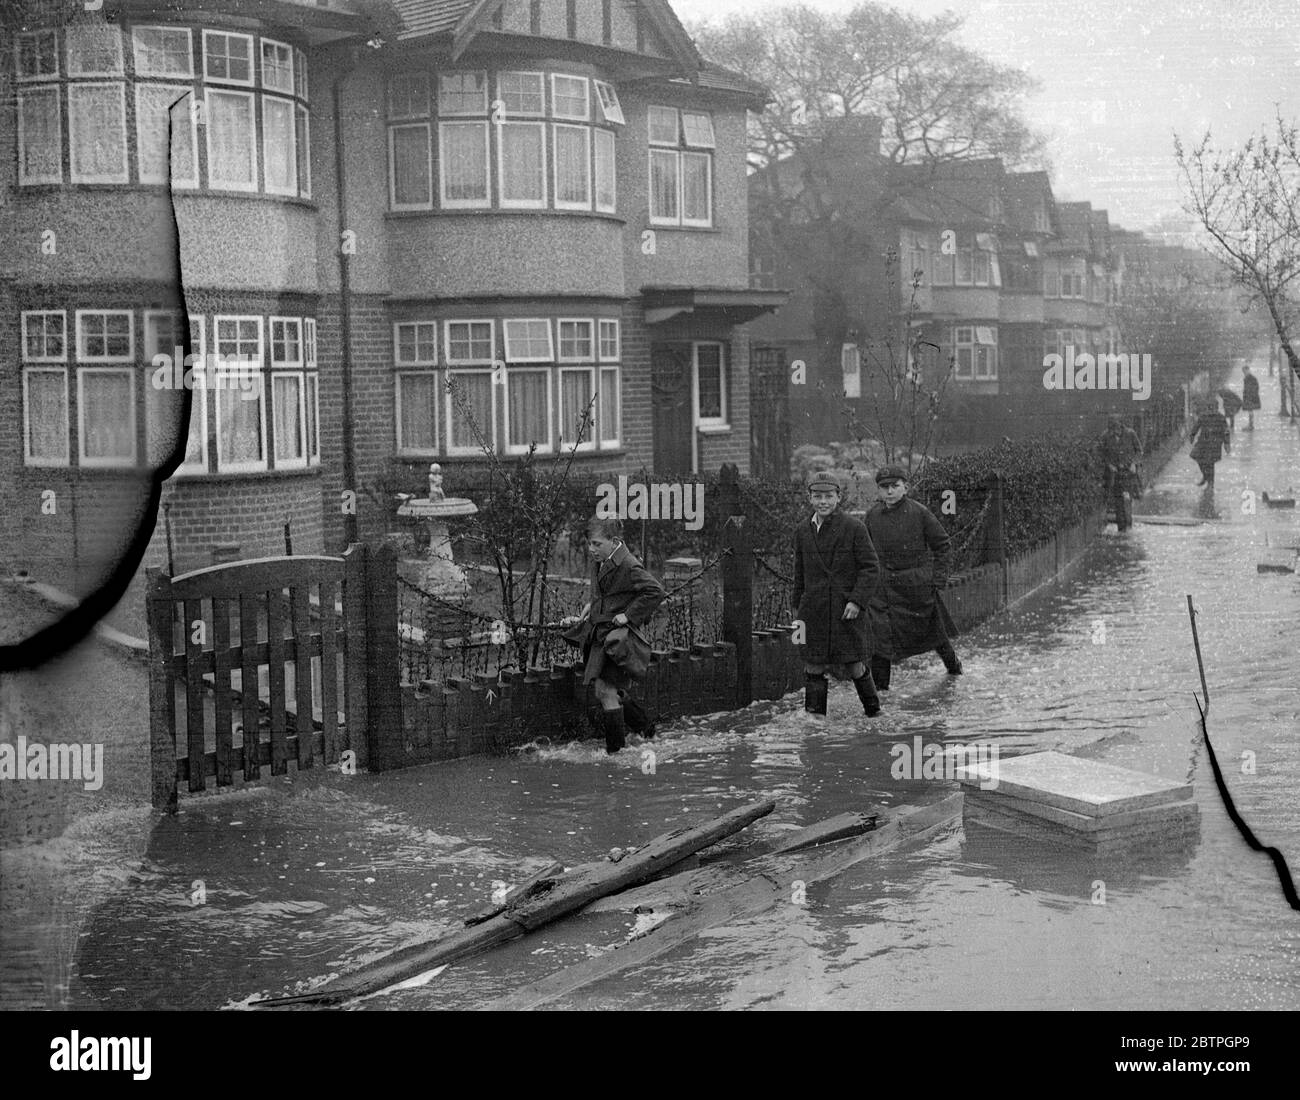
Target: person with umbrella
907, 612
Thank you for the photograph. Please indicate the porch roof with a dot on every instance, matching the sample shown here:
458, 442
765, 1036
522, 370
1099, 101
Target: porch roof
734, 306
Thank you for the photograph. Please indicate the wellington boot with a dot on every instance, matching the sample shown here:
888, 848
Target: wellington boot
615, 731
637, 717
814, 694
950, 659
880, 670
867, 693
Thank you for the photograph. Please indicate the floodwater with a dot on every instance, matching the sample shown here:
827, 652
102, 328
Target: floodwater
271, 890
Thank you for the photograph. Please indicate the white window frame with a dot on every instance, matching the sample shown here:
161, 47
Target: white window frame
565, 443
276, 46
447, 342
546, 357
291, 188
958, 345
140, 55
967, 253
254, 59
677, 125
24, 177
303, 115
214, 183
393, 204
464, 204
617, 357
519, 204
522, 448
695, 223
592, 339
585, 116
449, 407
431, 361
199, 406
62, 315
436, 378
607, 136
288, 364
607, 99
237, 318
481, 109
700, 140
224, 391
614, 441
22, 36
311, 381
124, 176
28, 458
661, 151
81, 355
300, 377
118, 461
300, 87
515, 112
715, 422
991, 344
150, 320
114, 35
555, 159
192, 118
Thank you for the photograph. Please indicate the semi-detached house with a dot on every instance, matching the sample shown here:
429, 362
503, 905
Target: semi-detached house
542, 204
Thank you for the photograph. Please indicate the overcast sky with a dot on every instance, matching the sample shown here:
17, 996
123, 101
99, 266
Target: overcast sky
1117, 78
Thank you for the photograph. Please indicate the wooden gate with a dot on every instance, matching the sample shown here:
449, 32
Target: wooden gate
256, 664
769, 414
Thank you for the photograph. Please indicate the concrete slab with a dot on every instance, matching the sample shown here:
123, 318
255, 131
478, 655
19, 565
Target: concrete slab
1072, 783
1145, 816
1171, 833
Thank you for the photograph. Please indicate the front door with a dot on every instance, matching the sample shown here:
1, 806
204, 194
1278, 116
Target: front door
673, 416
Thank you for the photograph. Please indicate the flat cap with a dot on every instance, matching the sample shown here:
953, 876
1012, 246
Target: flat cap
824, 479
890, 473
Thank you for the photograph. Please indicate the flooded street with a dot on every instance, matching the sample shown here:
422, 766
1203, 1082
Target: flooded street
262, 891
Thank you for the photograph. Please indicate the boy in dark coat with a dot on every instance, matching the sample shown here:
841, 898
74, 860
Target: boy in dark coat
907, 614
1210, 441
835, 573
1249, 395
623, 593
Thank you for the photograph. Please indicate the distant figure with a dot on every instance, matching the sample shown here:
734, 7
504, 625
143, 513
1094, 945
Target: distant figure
1249, 395
1120, 452
1211, 441
1231, 406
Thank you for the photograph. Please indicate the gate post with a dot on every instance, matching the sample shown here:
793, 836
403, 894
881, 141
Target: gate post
384, 734
162, 698
995, 545
737, 583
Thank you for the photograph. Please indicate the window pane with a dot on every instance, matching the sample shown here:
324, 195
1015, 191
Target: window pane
528, 400
417, 397
152, 119
408, 96
300, 74
605, 172
278, 145
663, 185
196, 443
412, 185
97, 133
572, 166
523, 93
609, 406
107, 415
417, 342
287, 398
697, 129
610, 107
286, 342
464, 162
575, 340
94, 49
964, 265
523, 164
609, 340
47, 415
528, 339
40, 152
575, 397
38, 54
232, 161
239, 423
277, 66
469, 408
313, 429
570, 97
663, 125
695, 187
228, 57
462, 94
302, 134
469, 341
162, 51
45, 335
709, 357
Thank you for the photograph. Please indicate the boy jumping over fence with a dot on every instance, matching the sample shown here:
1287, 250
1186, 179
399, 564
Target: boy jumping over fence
835, 573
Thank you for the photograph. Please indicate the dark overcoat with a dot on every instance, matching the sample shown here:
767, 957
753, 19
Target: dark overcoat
619, 585
833, 566
1211, 436
1250, 393
907, 615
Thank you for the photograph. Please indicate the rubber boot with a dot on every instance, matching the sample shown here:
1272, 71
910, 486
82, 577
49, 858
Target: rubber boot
880, 670
814, 694
636, 717
867, 693
615, 731
950, 659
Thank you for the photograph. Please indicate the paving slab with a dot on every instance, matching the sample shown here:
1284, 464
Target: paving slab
1072, 783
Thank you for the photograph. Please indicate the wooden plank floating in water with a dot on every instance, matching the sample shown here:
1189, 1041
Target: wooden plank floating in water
1169, 521
544, 901
770, 885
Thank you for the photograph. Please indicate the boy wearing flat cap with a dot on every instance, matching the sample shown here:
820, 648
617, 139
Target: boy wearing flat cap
835, 574
906, 611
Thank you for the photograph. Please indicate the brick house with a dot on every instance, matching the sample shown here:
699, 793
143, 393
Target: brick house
542, 203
